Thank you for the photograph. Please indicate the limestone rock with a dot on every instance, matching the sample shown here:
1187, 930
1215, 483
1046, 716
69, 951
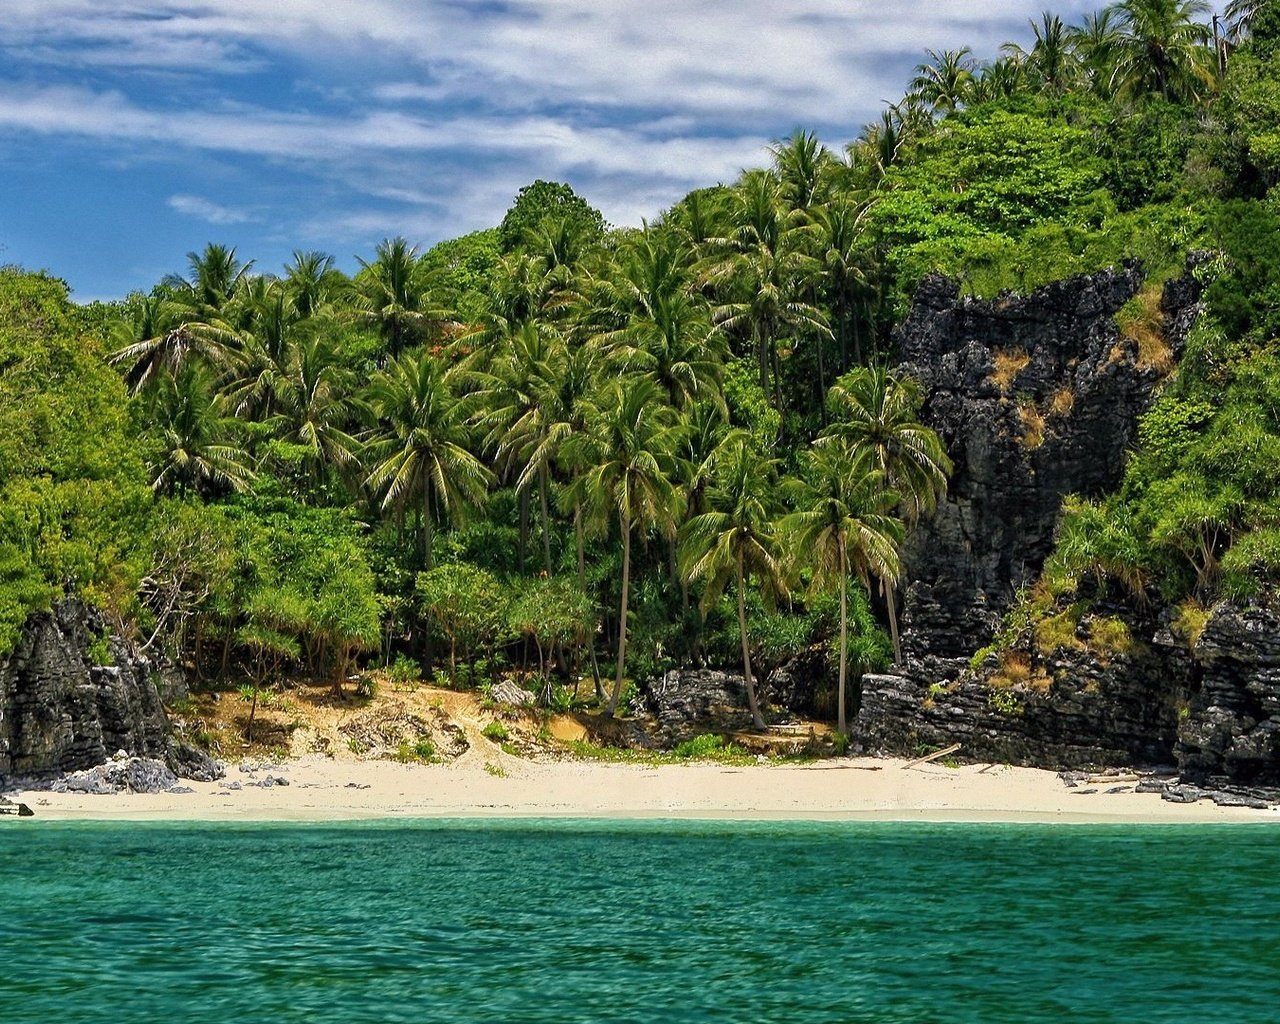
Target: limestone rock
61, 712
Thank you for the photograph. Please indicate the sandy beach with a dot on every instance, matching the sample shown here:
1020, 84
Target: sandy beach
495, 784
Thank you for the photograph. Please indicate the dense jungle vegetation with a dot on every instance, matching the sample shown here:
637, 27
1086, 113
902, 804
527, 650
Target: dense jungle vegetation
578, 450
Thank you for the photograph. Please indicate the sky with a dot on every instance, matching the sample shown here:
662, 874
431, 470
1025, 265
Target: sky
135, 131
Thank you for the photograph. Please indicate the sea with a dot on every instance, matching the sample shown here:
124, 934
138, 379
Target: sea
531, 920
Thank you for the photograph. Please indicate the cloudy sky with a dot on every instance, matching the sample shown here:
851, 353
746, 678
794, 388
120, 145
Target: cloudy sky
133, 131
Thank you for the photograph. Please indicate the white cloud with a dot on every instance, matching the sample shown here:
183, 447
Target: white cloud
207, 210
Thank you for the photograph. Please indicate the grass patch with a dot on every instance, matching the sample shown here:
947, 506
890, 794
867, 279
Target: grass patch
707, 747
1033, 425
496, 770
1009, 362
1062, 402
1190, 620
1141, 320
1109, 636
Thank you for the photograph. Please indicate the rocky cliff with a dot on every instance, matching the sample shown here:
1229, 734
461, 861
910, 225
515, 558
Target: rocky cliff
1035, 397
71, 696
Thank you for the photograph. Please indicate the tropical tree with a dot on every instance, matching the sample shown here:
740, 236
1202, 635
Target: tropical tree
1161, 49
312, 282
877, 413
762, 265
197, 448
394, 294
667, 329
1050, 63
844, 525
943, 82
418, 447
633, 439
215, 277
1095, 44
316, 406
737, 539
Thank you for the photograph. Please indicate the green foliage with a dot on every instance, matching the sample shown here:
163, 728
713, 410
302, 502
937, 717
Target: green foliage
542, 201
73, 499
496, 731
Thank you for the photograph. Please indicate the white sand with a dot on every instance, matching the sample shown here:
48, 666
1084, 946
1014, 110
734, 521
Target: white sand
855, 788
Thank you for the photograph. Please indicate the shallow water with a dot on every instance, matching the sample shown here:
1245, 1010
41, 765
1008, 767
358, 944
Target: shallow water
638, 921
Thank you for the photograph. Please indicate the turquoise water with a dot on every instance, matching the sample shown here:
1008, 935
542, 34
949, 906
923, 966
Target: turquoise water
638, 921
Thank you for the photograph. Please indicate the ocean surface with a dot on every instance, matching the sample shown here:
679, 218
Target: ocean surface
530, 921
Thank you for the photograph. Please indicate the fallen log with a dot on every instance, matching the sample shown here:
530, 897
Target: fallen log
932, 757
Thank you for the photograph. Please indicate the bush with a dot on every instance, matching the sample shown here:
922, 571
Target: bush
496, 731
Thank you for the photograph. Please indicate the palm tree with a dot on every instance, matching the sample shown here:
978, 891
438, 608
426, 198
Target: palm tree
312, 281
763, 265
803, 166
393, 294
1161, 49
1095, 43
877, 412
1241, 15
999, 80
844, 525
316, 406
1050, 63
216, 277
419, 446
846, 255
667, 331
197, 449
736, 538
159, 338
943, 82
633, 442
507, 403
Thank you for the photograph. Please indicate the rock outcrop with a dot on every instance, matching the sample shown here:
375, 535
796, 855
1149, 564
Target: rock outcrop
1035, 397
71, 696
1231, 728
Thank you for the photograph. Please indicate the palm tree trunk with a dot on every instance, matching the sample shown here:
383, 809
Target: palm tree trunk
546, 518
892, 608
756, 718
841, 725
622, 620
762, 357
524, 527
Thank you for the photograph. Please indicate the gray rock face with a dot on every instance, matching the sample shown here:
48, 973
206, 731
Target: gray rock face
1091, 714
1035, 397
60, 712
122, 774
693, 701
1232, 725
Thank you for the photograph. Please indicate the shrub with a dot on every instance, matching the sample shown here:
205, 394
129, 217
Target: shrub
496, 731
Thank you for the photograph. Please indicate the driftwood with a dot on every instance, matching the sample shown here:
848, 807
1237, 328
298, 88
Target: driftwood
932, 757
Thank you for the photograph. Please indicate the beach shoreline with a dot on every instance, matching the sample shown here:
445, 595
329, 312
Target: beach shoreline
319, 789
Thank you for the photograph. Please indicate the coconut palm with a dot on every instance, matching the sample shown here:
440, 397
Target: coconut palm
1050, 63
1095, 43
667, 329
803, 166
1000, 79
316, 406
844, 525
216, 276
418, 448
197, 448
507, 404
633, 439
846, 255
945, 79
312, 282
736, 538
877, 412
1161, 49
394, 294
160, 337
761, 266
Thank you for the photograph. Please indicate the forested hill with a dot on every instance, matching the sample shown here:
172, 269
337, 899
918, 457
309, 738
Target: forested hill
615, 451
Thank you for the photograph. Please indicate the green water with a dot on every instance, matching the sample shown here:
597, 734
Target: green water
638, 921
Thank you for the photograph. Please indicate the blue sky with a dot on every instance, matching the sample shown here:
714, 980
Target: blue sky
133, 131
